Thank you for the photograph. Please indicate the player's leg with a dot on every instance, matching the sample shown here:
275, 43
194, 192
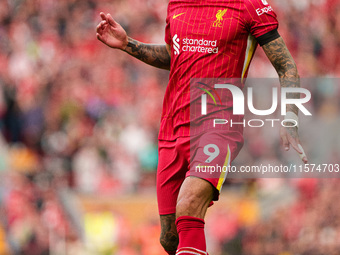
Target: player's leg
193, 200
201, 187
169, 236
170, 174
194, 197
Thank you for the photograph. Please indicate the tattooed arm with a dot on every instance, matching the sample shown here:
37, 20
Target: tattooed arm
155, 55
285, 66
113, 35
280, 57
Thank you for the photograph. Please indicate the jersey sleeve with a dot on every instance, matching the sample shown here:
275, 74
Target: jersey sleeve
167, 30
261, 20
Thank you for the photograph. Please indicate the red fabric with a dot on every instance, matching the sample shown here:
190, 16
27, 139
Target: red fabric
208, 39
179, 159
191, 235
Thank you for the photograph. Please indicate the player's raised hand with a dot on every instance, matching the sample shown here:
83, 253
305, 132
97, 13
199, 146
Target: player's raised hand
289, 136
111, 33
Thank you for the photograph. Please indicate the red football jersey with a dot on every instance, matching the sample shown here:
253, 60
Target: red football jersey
209, 39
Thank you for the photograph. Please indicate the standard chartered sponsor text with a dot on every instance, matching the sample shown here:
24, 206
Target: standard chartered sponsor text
200, 45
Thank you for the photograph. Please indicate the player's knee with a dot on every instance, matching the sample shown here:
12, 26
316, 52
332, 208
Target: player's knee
190, 205
194, 198
169, 241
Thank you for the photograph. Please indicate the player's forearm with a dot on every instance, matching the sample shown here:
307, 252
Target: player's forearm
152, 54
285, 66
291, 79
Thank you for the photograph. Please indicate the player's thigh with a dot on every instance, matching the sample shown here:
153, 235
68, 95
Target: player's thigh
172, 168
211, 156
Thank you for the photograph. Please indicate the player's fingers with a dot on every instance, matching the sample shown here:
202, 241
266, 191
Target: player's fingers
99, 27
103, 16
303, 154
295, 145
285, 142
111, 21
99, 37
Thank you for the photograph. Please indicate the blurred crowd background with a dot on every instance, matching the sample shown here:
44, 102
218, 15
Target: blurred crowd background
79, 125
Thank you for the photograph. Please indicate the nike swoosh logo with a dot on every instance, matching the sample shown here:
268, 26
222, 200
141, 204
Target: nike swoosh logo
175, 16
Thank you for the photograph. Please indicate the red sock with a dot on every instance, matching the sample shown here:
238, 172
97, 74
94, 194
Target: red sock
191, 236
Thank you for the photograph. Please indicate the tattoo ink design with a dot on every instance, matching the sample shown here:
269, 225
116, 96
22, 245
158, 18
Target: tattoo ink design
285, 66
169, 236
155, 55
